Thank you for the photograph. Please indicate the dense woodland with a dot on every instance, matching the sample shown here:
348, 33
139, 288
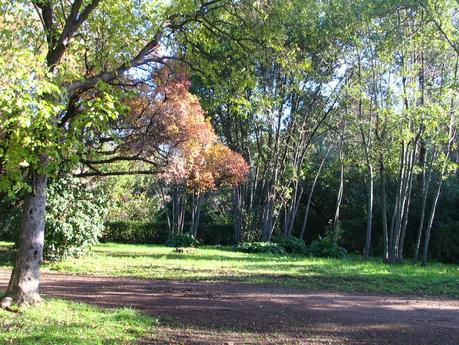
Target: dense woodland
232, 121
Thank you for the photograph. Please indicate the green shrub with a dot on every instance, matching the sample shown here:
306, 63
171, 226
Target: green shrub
291, 244
75, 215
135, 232
260, 247
325, 248
182, 240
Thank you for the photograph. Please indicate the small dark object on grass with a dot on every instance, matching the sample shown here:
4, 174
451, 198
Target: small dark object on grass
183, 250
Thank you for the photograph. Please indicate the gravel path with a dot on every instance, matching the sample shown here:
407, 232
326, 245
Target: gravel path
205, 313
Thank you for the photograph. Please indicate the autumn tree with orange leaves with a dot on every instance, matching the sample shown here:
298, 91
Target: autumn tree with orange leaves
196, 161
166, 133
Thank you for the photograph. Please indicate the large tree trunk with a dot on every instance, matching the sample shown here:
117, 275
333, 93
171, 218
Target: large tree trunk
25, 279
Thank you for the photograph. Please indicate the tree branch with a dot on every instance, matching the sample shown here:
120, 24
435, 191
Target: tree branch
72, 24
115, 173
139, 59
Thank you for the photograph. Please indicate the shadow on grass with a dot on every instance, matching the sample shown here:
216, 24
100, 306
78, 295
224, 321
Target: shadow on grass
375, 283
197, 257
195, 310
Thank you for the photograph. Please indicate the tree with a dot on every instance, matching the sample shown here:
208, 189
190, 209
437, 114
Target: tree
271, 101
196, 162
63, 68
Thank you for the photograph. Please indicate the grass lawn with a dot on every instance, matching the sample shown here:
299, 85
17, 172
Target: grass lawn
62, 322
220, 264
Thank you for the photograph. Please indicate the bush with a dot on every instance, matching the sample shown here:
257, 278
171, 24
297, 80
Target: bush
74, 218
260, 247
291, 244
135, 232
182, 240
325, 248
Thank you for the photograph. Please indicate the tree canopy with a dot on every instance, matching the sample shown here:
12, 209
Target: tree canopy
298, 118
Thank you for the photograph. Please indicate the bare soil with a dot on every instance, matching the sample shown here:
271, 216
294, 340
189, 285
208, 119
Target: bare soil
207, 313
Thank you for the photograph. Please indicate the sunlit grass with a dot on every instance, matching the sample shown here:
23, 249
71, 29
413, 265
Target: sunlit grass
223, 264
61, 322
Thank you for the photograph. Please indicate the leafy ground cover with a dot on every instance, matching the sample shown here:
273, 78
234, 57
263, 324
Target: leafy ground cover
222, 264
63, 322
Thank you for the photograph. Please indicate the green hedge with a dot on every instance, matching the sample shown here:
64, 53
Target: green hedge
135, 232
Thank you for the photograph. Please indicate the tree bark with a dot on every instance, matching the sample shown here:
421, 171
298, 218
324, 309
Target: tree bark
196, 213
311, 192
340, 191
425, 193
369, 212
384, 211
23, 287
237, 212
425, 254
452, 137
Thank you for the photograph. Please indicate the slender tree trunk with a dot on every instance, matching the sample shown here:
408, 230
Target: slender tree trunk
237, 211
367, 141
182, 203
370, 211
425, 254
174, 210
340, 191
197, 215
178, 209
400, 204
384, 211
452, 136
268, 214
311, 192
24, 283
294, 209
405, 220
193, 211
425, 192
269, 223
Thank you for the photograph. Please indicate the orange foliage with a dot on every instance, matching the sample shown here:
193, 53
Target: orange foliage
184, 137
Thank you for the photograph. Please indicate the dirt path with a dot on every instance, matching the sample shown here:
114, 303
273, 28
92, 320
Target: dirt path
201, 313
